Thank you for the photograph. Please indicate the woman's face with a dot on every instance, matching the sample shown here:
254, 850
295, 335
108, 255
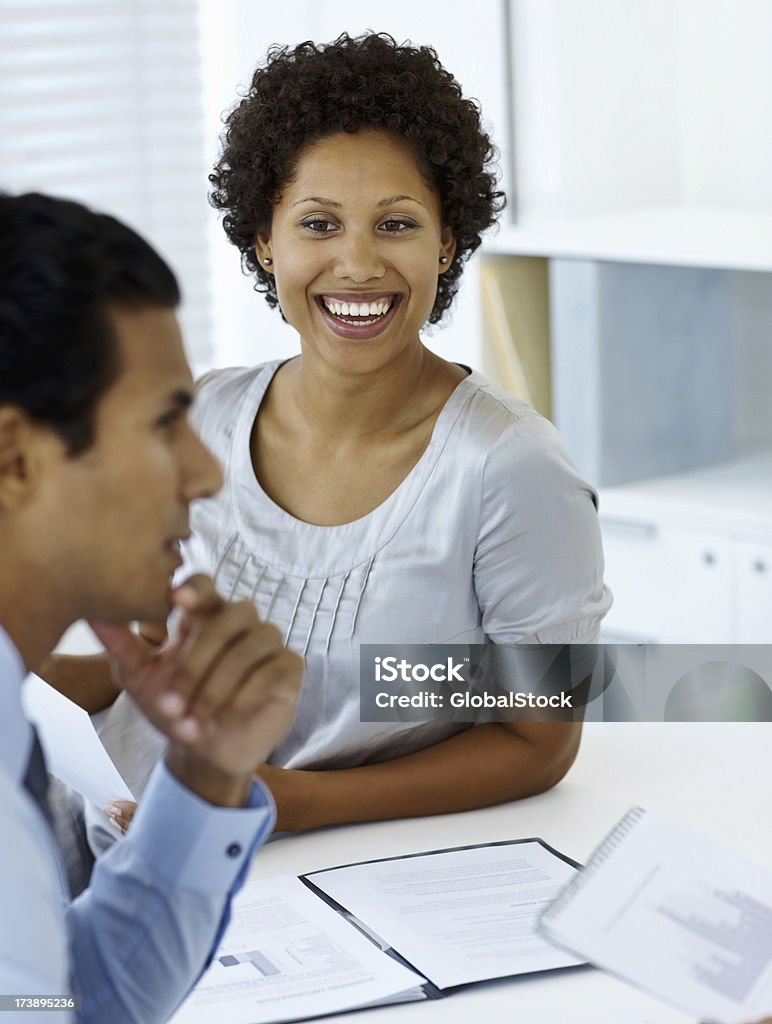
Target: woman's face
356, 242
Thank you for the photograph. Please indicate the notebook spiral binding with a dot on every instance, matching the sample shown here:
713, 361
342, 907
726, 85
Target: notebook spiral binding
600, 854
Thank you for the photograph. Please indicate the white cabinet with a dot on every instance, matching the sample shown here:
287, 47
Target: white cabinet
753, 623
689, 556
670, 584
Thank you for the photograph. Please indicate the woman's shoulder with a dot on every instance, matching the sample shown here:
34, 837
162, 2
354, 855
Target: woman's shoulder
221, 394
499, 421
511, 448
230, 381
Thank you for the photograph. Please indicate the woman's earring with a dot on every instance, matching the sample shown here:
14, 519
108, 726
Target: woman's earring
268, 261
443, 259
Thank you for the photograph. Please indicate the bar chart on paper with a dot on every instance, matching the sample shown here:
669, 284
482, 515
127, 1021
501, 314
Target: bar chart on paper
729, 936
258, 960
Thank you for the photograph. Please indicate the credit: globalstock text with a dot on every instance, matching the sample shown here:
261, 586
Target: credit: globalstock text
566, 682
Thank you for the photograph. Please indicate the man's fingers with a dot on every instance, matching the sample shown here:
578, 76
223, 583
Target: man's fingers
231, 669
210, 638
153, 633
197, 594
255, 717
128, 649
224, 676
270, 689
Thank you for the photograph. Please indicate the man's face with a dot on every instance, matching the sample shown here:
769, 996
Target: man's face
121, 507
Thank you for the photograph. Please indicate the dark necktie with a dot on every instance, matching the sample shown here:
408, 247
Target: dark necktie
36, 778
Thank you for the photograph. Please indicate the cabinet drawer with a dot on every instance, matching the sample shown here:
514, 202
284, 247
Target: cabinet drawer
668, 582
754, 593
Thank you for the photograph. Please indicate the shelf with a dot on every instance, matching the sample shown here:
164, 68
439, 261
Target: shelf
672, 236
735, 495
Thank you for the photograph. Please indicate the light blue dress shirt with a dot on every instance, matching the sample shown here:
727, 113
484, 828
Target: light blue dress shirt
134, 943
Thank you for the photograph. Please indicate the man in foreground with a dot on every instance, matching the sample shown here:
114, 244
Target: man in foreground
98, 467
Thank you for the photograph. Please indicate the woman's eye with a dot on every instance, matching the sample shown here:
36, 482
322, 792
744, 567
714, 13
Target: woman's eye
394, 226
318, 225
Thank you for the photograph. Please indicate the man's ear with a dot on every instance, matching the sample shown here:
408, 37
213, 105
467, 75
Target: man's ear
19, 458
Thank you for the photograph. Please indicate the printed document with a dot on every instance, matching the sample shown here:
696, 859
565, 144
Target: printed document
463, 915
286, 955
386, 931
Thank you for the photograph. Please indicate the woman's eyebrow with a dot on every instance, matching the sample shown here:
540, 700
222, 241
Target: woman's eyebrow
318, 199
390, 200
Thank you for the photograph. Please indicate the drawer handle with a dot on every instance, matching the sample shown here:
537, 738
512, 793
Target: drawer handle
759, 565
709, 558
629, 528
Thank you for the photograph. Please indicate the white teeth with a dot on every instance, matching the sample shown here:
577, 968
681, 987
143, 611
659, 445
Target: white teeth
378, 308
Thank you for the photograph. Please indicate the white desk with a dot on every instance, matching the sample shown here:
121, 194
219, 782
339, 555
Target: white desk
712, 776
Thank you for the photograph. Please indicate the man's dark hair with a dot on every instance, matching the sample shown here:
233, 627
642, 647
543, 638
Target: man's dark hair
62, 268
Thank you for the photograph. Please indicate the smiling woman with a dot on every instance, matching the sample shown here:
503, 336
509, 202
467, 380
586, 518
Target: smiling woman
376, 493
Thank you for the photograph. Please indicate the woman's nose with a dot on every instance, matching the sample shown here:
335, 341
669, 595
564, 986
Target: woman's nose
358, 258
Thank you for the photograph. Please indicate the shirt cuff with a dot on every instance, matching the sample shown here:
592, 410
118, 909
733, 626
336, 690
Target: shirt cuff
193, 844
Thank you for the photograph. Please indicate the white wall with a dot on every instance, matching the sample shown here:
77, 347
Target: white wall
236, 34
622, 103
725, 93
595, 124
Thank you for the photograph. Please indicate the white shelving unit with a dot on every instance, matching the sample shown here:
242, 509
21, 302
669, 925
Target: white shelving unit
673, 236
689, 548
689, 555
640, 269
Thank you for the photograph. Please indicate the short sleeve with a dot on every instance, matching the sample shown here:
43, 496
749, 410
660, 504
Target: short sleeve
539, 559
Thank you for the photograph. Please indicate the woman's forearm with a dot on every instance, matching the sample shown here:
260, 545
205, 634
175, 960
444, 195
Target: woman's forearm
486, 765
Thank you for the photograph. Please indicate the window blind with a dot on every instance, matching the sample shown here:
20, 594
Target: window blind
100, 101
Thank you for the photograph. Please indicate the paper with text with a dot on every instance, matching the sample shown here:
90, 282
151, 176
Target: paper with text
459, 916
675, 914
287, 955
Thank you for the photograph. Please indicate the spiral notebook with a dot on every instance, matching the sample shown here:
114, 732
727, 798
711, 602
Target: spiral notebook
675, 914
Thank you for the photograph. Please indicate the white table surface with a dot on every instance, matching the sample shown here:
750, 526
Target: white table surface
712, 776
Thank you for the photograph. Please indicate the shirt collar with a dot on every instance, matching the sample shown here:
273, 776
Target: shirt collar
15, 730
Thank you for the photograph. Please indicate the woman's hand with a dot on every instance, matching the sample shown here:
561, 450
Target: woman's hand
120, 813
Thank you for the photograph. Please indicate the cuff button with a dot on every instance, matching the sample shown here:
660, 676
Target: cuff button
234, 850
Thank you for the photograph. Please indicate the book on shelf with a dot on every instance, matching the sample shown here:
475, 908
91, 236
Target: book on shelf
516, 333
676, 915
383, 931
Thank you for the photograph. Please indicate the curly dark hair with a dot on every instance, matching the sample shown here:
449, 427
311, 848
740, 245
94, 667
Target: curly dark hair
309, 92
62, 268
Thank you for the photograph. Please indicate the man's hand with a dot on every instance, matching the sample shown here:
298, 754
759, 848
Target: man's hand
223, 690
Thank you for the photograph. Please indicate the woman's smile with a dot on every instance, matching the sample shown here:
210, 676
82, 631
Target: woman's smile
358, 315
